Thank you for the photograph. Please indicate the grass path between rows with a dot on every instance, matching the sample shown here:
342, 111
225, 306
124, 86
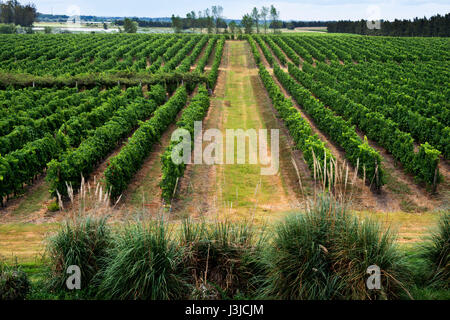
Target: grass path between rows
238, 191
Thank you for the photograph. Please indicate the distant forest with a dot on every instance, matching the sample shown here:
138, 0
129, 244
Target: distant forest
436, 26
12, 12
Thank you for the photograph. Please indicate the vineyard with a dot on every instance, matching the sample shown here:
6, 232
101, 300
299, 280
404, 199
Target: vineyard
75, 107
80, 107
88, 122
392, 91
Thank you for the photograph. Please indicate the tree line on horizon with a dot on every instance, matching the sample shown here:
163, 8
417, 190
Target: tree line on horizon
435, 26
12, 12
212, 21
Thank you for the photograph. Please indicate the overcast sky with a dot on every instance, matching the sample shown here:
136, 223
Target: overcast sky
234, 9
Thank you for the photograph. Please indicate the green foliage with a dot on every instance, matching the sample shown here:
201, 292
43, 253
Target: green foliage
205, 57
83, 242
53, 206
309, 143
145, 263
229, 254
436, 252
358, 152
324, 254
123, 166
247, 22
287, 49
214, 72
129, 25
424, 164
170, 171
267, 53
7, 28
14, 283
276, 50
69, 168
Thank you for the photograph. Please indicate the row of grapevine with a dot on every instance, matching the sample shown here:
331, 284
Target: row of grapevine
267, 53
81, 162
214, 72
24, 106
123, 166
23, 165
358, 152
424, 164
181, 54
78, 128
275, 49
333, 53
203, 61
421, 128
300, 50
287, 49
36, 129
312, 147
131, 53
189, 60
422, 87
313, 51
172, 171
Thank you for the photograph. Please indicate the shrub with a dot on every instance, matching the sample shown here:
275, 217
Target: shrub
82, 242
221, 258
145, 263
7, 28
324, 254
436, 252
53, 206
14, 283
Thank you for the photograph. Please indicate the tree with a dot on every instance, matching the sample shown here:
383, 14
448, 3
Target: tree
177, 24
105, 26
247, 23
274, 15
290, 26
264, 13
190, 19
209, 21
200, 21
255, 16
233, 26
13, 12
129, 26
217, 12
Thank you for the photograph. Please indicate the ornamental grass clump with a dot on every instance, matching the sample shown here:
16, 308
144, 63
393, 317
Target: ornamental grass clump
82, 241
325, 253
436, 253
221, 258
144, 264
